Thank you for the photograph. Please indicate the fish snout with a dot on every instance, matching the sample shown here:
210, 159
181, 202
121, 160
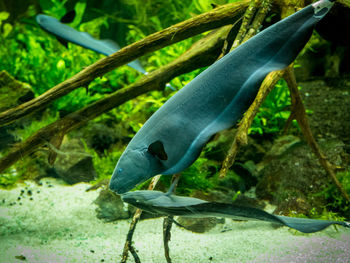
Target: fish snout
116, 185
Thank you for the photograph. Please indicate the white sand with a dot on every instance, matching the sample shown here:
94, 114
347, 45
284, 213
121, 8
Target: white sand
59, 225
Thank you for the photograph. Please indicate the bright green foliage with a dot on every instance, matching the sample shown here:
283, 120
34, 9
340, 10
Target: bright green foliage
35, 125
335, 200
274, 111
34, 57
6, 27
195, 177
8, 180
104, 165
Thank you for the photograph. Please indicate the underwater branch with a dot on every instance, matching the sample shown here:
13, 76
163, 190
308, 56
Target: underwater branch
202, 53
216, 18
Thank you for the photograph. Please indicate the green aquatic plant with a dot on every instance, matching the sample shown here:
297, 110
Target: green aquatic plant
336, 201
6, 27
23, 133
197, 176
103, 163
274, 112
8, 179
35, 57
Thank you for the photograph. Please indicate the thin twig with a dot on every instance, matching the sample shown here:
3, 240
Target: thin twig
242, 131
128, 243
258, 20
168, 222
216, 18
299, 114
248, 17
134, 254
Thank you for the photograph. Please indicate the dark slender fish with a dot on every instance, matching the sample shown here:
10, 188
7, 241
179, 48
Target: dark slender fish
66, 33
156, 202
174, 136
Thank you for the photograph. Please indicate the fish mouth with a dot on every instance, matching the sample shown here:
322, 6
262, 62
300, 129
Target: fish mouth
118, 187
127, 199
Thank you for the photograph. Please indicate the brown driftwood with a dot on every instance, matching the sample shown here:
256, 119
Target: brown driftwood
258, 19
202, 53
253, 18
242, 131
167, 225
218, 17
247, 19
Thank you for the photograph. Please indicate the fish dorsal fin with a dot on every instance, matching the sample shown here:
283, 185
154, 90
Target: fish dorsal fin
68, 17
157, 149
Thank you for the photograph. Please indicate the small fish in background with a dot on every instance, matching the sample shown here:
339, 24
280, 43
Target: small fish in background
173, 137
168, 204
65, 33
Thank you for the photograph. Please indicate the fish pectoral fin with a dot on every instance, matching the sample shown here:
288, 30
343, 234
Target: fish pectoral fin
157, 149
68, 17
62, 41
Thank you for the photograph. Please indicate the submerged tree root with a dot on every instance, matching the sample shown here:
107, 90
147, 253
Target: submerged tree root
128, 243
242, 131
168, 222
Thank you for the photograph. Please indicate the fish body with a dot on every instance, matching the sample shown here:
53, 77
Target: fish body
162, 204
67, 33
173, 137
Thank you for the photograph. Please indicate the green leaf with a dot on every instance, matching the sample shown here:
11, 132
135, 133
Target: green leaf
4, 16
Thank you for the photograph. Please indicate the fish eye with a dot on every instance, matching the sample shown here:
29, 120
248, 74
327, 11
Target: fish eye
120, 170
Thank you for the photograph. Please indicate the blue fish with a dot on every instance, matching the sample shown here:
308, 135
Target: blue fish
66, 33
173, 137
168, 204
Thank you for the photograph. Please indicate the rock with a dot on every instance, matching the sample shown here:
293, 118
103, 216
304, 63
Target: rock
200, 225
73, 164
229, 197
6, 138
329, 103
282, 145
101, 135
13, 92
294, 179
111, 207
232, 181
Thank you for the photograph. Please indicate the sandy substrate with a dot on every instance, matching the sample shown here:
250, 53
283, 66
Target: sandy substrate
59, 225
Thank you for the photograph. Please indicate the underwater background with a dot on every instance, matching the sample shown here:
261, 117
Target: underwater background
55, 205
